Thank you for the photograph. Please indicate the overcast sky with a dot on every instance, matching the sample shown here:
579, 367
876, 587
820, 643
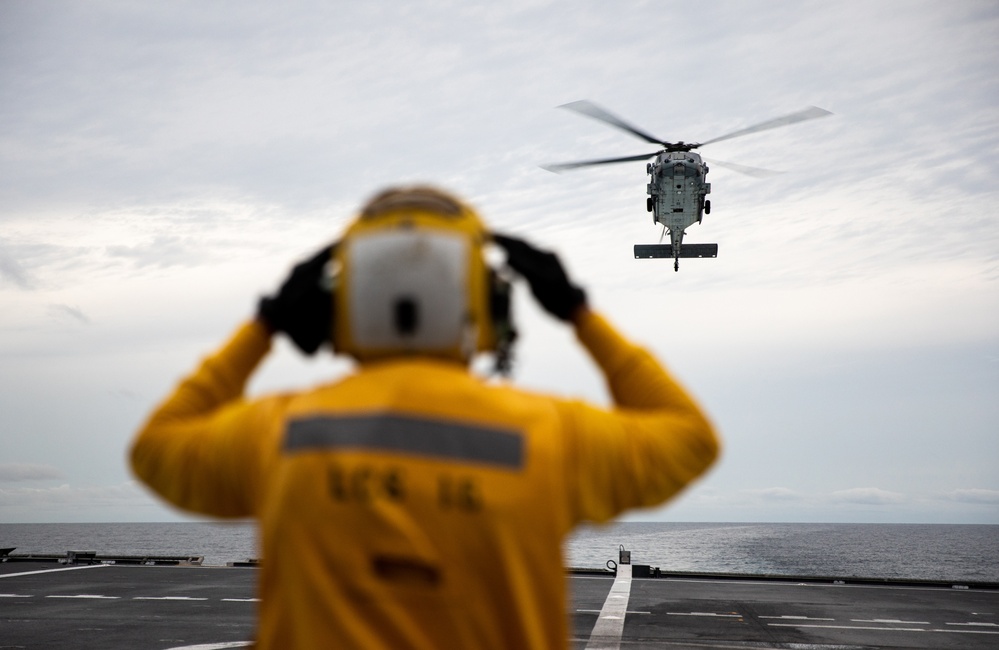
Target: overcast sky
163, 164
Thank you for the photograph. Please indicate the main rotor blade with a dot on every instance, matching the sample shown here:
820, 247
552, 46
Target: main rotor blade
559, 167
755, 172
590, 109
810, 113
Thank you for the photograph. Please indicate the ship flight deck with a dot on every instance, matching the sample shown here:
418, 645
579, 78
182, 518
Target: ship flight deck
103, 605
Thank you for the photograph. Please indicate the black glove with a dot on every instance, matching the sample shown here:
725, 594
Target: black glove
544, 272
302, 308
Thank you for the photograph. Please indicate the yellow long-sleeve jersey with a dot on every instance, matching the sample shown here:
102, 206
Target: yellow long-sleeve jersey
412, 505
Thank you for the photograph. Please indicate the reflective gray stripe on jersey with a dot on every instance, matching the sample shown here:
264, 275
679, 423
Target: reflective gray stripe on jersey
408, 435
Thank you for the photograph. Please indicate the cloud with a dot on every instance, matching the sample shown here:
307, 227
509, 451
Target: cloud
62, 311
974, 495
142, 146
163, 251
11, 472
125, 393
12, 272
61, 496
776, 494
869, 496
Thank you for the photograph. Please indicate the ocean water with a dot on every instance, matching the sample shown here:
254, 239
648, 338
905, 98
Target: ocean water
217, 542
910, 551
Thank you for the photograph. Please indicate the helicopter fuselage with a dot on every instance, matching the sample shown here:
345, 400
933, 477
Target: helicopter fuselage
677, 192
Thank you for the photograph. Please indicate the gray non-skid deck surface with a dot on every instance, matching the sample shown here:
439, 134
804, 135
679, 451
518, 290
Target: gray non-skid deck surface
168, 607
124, 607
701, 614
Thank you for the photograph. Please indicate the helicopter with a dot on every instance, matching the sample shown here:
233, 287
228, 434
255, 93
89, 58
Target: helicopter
677, 185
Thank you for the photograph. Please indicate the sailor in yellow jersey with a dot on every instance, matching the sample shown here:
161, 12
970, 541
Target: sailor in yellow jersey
413, 504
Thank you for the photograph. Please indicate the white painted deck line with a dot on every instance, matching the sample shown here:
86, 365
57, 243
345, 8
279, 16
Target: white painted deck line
607, 631
886, 629
215, 646
69, 568
887, 620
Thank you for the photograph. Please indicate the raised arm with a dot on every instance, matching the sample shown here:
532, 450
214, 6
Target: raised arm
195, 450
650, 446
204, 448
654, 442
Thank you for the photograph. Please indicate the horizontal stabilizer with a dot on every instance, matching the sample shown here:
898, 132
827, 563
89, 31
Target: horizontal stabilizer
666, 250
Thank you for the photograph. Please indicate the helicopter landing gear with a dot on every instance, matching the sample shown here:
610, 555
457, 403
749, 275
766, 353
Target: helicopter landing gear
649, 203
707, 207
676, 264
